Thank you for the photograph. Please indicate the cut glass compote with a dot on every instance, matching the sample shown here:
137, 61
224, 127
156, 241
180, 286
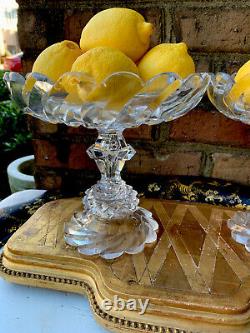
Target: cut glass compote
219, 94
111, 223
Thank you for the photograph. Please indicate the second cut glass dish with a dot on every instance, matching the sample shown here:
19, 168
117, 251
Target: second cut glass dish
112, 222
219, 93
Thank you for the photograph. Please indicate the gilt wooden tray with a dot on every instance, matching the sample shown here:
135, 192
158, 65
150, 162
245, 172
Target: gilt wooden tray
197, 279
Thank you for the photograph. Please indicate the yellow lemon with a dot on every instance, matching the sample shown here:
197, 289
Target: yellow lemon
244, 70
121, 28
29, 84
103, 61
57, 59
117, 91
241, 89
166, 93
166, 57
76, 85
54, 61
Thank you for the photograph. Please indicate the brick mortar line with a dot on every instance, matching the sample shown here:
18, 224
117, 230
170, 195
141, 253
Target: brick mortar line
172, 35
171, 146
160, 133
174, 146
55, 138
220, 55
142, 4
61, 171
33, 52
203, 4
203, 163
160, 143
206, 161
164, 25
207, 167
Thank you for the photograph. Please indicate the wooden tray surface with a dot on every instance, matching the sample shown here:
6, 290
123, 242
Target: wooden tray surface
197, 279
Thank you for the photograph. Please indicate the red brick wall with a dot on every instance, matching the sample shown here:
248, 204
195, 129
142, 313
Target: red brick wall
202, 143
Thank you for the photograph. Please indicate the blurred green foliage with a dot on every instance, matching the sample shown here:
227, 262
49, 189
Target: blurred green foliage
13, 126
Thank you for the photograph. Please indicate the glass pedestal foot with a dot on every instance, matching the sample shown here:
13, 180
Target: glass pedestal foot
240, 228
110, 238
112, 223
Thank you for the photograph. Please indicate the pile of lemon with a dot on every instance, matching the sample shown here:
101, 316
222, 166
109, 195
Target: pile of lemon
114, 40
117, 40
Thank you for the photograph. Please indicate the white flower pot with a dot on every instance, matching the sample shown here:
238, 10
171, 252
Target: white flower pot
20, 174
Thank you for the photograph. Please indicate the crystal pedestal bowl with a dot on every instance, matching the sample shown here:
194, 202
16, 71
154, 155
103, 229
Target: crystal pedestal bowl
219, 94
235, 109
112, 223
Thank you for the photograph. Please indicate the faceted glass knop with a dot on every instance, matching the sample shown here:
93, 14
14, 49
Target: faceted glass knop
110, 152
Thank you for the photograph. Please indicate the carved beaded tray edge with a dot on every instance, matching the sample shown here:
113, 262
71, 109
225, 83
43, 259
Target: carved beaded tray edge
12, 275
13, 272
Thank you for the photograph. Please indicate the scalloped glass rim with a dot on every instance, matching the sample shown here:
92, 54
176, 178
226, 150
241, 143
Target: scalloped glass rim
218, 93
147, 106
